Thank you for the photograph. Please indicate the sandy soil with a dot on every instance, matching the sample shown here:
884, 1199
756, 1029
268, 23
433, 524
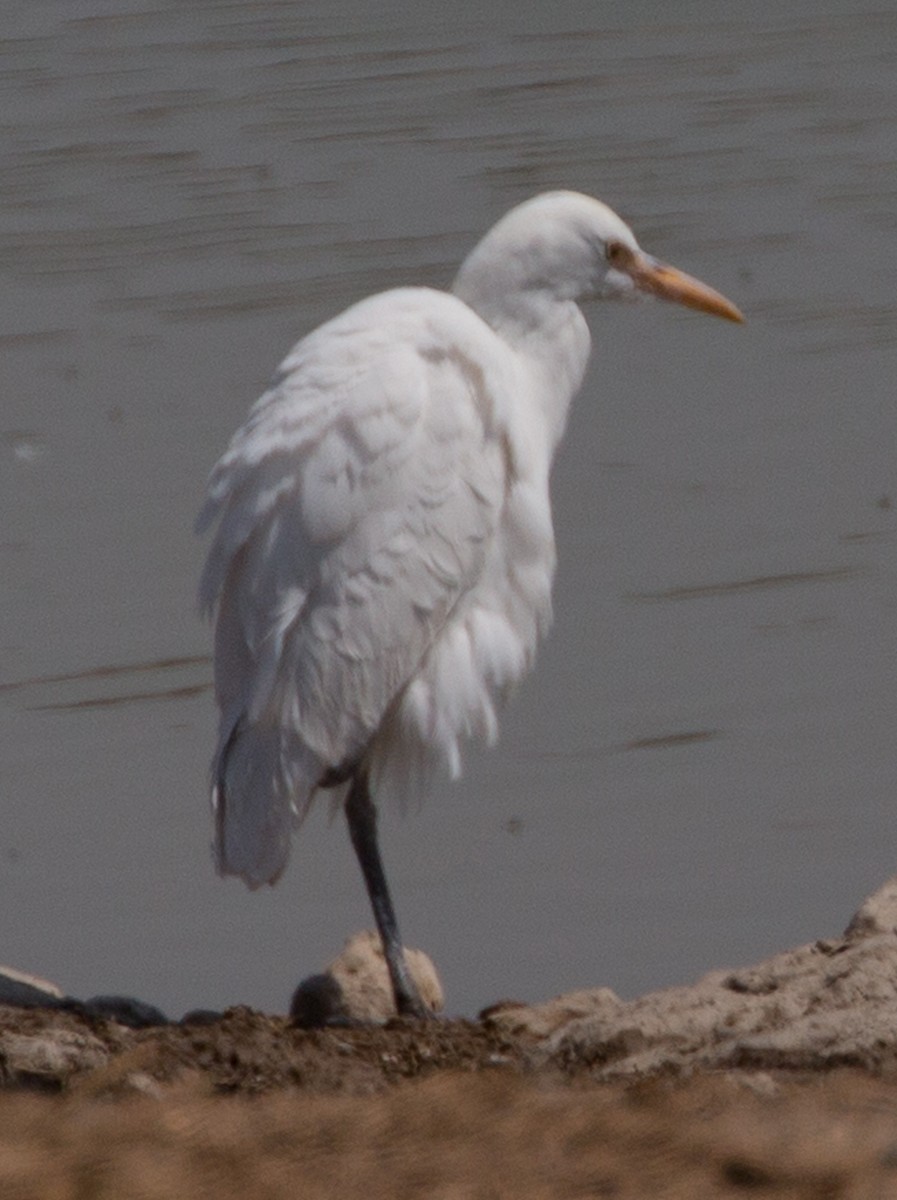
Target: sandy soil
251, 1107
778, 1081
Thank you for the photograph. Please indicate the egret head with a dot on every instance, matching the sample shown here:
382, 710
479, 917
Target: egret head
565, 246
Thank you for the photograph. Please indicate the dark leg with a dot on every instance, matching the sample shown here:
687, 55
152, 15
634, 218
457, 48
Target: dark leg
362, 817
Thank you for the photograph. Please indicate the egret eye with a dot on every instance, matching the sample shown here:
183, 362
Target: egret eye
617, 254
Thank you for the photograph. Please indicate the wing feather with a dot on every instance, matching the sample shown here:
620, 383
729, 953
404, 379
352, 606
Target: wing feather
354, 508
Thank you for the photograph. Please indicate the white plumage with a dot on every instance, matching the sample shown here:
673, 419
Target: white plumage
384, 553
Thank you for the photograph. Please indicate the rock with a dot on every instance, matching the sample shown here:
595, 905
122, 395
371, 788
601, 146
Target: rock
830, 1003
877, 913
355, 987
126, 1010
27, 991
201, 1017
318, 1001
21, 990
544, 1019
47, 1059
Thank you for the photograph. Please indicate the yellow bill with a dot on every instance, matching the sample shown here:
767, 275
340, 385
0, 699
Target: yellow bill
667, 283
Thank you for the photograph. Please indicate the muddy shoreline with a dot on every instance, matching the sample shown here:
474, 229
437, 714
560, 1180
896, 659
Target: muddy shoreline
780, 1079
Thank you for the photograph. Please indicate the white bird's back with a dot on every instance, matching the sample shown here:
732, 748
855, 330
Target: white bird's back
382, 563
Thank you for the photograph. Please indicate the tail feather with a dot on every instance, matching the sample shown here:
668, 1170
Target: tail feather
254, 805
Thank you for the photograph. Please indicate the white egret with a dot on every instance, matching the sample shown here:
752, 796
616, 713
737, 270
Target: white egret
384, 552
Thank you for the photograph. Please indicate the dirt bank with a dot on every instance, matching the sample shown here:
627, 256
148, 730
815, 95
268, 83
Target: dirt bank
776, 1080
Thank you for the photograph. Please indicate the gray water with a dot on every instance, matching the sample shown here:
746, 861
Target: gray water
702, 768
